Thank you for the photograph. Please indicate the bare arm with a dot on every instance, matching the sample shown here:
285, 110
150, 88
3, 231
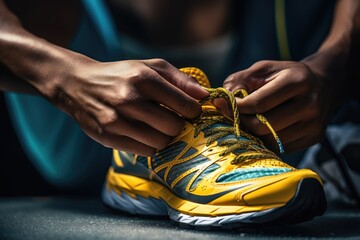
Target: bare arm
299, 98
43, 19
119, 104
338, 57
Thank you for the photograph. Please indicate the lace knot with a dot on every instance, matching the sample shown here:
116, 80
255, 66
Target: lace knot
222, 132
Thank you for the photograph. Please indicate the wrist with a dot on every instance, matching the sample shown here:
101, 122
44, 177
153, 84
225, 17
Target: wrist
40, 64
327, 64
329, 67
54, 72
336, 61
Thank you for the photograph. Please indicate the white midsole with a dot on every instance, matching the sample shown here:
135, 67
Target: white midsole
157, 207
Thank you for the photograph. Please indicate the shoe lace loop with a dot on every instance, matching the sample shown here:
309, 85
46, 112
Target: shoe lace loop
211, 116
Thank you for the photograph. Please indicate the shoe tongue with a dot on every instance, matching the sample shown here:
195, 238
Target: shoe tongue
198, 74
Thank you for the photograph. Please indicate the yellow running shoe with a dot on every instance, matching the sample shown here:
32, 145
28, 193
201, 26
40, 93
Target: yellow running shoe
214, 175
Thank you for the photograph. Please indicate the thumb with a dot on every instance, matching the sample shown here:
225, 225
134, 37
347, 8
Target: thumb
177, 78
189, 85
253, 77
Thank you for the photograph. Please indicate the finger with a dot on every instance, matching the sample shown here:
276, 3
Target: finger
129, 145
156, 116
161, 91
291, 135
279, 118
300, 144
241, 80
223, 106
268, 96
139, 131
255, 76
115, 141
287, 135
177, 78
102, 120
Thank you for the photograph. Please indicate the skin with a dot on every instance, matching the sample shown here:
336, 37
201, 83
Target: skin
135, 105
114, 102
299, 98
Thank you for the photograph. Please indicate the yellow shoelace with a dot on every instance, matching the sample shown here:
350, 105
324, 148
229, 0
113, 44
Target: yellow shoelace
212, 116
261, 118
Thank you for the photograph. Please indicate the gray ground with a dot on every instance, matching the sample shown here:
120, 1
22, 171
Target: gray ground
87, 218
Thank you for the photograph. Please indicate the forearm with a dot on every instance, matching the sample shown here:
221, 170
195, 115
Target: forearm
345, 28
9, 82
336, 59
29, 57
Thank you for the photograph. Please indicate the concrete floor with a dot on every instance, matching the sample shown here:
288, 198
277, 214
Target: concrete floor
86, 218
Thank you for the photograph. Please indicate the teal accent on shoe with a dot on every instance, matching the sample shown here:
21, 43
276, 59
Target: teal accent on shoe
244, 174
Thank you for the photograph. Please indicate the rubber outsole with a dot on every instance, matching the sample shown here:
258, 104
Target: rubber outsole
308, 202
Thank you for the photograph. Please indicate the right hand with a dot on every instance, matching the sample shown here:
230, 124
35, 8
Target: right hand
135, 106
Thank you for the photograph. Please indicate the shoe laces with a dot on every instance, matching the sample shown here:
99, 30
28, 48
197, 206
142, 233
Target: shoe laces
222, 133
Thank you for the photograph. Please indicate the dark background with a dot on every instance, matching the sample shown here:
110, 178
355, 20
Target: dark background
17, 174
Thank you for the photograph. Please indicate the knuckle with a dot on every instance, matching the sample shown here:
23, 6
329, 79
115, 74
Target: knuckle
107, 117
159, 62
234, 82
304, 75
301, 79
262, 64
127, 98
231, 78
139, 76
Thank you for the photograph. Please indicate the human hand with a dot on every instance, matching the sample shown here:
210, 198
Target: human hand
133, 106
296, 99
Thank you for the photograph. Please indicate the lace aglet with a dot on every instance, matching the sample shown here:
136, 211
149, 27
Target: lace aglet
281, 147
265, 122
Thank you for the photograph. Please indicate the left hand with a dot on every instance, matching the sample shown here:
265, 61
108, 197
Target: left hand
295, 99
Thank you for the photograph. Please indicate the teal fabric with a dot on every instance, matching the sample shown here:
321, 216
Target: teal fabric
245, 174
53, 141
169, 153
67, 157
181, 168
